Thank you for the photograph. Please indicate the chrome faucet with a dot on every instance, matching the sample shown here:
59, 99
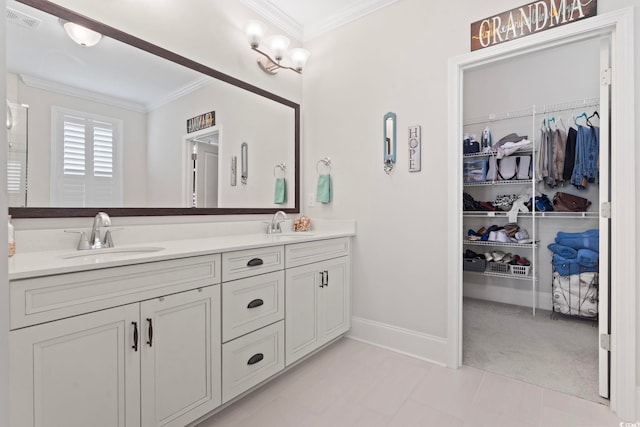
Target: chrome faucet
274, 225
95, 241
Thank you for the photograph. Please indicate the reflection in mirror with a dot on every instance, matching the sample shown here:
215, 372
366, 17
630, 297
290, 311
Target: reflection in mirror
17, 154
244, 161
105, 131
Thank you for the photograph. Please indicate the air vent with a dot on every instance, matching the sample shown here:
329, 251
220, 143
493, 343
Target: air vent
22, 19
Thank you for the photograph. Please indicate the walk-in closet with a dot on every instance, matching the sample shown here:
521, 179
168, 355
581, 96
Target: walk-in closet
535, 260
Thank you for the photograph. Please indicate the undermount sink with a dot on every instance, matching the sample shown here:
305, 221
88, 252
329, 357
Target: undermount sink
99, 254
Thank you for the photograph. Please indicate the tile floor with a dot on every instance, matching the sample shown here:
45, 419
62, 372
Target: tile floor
354, 384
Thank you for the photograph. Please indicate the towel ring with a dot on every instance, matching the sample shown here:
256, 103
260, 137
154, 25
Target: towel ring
326, 161
283, 169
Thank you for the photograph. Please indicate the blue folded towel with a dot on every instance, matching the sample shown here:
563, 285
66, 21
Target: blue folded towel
323, 192
588, 258
592, 243
563, 251
569, 266
281, 192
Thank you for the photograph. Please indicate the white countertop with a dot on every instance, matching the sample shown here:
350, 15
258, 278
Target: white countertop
44, 263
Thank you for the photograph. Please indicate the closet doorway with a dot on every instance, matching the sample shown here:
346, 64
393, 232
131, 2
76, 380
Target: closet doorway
523, 317
516, 83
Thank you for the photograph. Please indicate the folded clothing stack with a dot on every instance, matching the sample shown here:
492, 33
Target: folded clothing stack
575, 276
509, 233
575, 253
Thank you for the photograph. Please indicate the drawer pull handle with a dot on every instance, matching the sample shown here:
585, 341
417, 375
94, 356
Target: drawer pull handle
150, 332
255, 303
255, 359
326, 278
321, 273
135, 336
255, 262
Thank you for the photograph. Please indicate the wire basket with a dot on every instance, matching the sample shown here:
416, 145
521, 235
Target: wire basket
498, 267
520, 270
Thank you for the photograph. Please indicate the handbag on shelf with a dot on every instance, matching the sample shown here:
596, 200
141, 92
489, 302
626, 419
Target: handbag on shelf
565, 202
470, 146
508, 168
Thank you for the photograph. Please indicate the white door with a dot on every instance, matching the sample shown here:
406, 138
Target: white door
180, 340
302, 293
335, 298
207, 175
77, 372
605, 223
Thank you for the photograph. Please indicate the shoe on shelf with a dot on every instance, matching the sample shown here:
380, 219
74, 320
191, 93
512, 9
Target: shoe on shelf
523, 261
515, 260
507, 258
497, 255
488, 256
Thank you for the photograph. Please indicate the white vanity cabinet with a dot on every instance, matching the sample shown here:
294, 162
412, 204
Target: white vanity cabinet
318, 295
155, 362
252, 318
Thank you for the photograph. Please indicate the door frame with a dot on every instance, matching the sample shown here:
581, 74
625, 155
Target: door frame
618, 26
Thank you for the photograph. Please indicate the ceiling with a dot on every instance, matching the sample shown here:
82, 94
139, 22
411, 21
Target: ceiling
306, 19
111, 72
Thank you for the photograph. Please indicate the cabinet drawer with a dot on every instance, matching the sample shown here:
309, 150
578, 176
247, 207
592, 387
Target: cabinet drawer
252, 303
251, 359
251, 262
307, 253
42, 299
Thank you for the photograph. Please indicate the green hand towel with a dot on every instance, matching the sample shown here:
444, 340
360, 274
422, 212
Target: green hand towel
323, 193
281, 191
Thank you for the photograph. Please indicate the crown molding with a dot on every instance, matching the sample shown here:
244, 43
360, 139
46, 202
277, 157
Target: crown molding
276, 16
62, 89
352, 12
185, 90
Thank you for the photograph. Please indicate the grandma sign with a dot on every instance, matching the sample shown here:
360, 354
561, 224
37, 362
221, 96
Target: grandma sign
529, 19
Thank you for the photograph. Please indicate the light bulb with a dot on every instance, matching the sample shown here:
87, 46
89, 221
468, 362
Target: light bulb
255, 32
299, 57
278, 46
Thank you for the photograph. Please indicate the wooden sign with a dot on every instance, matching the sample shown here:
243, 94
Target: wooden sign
202, 121
529, 19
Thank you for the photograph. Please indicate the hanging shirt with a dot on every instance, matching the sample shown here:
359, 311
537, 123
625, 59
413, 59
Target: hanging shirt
586, 170
569, 155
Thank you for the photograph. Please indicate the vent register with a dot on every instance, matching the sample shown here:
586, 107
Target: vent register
22, 19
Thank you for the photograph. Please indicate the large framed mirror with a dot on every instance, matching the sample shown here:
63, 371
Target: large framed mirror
131, 128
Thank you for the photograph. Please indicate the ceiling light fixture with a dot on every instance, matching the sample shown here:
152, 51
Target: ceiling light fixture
81, 35
278, 45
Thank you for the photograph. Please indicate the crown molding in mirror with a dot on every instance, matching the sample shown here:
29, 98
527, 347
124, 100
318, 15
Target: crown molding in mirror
69, 15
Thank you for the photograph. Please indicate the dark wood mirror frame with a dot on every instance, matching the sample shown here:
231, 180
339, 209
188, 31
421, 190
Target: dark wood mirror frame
66, 14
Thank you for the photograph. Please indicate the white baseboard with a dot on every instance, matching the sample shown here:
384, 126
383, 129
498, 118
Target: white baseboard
416, 344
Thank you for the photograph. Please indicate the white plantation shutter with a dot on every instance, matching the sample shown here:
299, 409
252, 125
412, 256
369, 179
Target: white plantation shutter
86, 168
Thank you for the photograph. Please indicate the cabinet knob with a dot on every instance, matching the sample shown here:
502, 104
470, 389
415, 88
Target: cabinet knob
255, 359
254, 262
255, 303
150, 332
135, 336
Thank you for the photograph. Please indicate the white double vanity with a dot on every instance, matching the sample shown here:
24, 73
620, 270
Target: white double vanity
161, 333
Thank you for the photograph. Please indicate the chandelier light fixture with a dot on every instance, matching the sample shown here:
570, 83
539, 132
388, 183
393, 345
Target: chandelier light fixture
277, 45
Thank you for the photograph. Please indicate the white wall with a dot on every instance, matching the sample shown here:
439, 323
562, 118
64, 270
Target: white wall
134, 144
393, 60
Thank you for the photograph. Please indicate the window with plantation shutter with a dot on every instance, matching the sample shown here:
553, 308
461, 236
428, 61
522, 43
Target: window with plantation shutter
86, 162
